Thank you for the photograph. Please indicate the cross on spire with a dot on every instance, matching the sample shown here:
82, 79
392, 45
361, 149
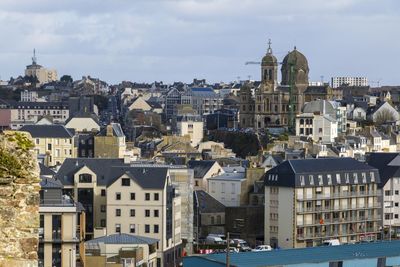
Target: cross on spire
269, 50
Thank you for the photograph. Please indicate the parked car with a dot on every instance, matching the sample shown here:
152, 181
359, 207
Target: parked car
262, 248
233, 250
331, 242
241, 245
214, 240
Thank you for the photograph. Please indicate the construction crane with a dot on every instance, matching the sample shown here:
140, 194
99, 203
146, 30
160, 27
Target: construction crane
378, 82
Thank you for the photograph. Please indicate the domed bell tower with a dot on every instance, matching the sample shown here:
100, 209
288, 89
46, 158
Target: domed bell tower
269, 70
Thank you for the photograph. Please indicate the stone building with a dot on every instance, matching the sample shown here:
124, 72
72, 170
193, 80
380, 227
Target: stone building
42, 75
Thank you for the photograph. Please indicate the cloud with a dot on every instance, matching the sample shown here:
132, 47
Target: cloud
182, 39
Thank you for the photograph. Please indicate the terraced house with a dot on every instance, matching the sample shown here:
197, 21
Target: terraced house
310, 200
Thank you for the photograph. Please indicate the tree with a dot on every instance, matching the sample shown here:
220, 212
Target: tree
66, 78
384, 115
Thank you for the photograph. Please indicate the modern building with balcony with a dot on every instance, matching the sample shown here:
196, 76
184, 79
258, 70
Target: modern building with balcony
62, 231
308, 201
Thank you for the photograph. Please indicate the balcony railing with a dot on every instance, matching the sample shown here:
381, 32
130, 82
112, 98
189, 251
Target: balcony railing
336, 208
339, 195
334, 234
359, 219
57, 202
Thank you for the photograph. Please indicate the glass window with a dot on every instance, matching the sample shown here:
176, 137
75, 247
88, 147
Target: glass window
132, 228
156, 213
118, 228
103, 192
156, 196
118, 196
147, 213
156, 228
147, 196
118, 212
132, 213
85, 178
133, 196
147, 228
126, 182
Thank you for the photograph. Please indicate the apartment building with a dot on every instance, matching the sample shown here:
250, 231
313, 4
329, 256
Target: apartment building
62, 231
205, 100
23, 113
95, 183
388, 165
53, 143
320, 127
311, 200
349, 81
142, 201
191, 125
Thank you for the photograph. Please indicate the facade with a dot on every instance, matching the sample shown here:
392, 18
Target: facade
43, 75
349, 81
204, 100
110, 142
388, 165
30, 96
191, 125
83, 123
23, 113
311, 200
62, 229
272, 105
203, 170
321, 128
120, 250
54, 143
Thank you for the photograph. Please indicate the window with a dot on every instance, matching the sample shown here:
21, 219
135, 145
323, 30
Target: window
133, 196
156, 228
396, 192
117, 196
222, 187
147, 213
103, 192
132, 212
132, 228
387, 193
233, 188
147, 196
156, 196
118, 212
196, 183
126, 182
118, 228
85, 178
103, 223
156, 212
37, 141
48, 146
396, 204
147, 228
103, 208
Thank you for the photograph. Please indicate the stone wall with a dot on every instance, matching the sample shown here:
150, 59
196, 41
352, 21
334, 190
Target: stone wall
19, 200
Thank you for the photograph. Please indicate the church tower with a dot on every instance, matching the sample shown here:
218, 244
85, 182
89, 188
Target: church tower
269, 70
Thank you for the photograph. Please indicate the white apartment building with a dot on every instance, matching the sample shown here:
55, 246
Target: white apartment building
310, 200
191, 125
349, 81
320, 127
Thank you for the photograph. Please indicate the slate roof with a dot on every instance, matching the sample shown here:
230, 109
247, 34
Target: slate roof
50, 131
45, 170
123, 239
207, 204
50, 183
109, 170
289, 172
200, 167
302, 256
117, 130
388, 165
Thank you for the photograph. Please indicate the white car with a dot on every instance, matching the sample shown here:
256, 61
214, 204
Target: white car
262, 248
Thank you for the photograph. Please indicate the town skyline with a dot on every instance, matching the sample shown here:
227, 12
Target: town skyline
169, 41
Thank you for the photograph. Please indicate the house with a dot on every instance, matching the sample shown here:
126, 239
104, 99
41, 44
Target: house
139, 103
121, 250
203, 170
54, 143
62, 229
310, 200
191, 125
209, 215
383, 113
110, 142
83, 122
320, 127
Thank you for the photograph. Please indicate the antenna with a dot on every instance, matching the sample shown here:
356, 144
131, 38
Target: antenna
34, 57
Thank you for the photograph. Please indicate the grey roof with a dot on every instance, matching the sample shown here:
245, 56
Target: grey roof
126, 239
229, 176
206, 203
388, 165
50, 131
290, 172
322, 106
45, 170
117, 130
200, 167
100, 166
50, 183
39, 105
109, 170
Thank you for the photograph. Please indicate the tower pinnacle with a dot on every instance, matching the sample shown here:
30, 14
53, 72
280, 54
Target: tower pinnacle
269, 50
34, 60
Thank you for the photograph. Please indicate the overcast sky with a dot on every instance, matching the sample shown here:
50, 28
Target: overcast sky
172, 40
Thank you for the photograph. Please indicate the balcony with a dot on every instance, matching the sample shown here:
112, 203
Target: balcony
359, 219
336, 208
333, 234
339, 195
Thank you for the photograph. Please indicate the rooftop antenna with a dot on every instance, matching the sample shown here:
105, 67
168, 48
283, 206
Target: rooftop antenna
34, 60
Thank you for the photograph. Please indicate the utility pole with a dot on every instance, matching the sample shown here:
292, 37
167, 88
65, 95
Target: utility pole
227, 250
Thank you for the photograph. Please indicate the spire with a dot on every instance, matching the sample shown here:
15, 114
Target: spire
269, 50
34, 57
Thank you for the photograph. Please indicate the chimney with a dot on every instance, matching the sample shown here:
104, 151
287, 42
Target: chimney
109, 130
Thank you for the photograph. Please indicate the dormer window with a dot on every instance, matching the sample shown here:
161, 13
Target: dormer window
85, 178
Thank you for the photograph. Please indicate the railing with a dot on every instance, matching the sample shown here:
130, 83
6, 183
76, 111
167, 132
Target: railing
327, 235
339, 195
336, 208
359, 219
56, 202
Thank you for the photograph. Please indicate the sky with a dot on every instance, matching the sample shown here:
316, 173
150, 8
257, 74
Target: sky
178, 40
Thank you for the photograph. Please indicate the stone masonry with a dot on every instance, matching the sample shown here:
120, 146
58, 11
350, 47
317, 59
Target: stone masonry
19, 201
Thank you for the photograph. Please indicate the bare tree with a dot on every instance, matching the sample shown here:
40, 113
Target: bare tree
384, 116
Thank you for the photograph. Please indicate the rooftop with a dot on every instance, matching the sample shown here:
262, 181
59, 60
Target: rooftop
123, 239
50, 131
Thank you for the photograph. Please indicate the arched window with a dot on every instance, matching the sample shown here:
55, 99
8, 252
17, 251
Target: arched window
85, 178
301, 121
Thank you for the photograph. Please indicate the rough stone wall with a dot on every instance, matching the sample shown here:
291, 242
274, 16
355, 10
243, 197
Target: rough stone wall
19, 201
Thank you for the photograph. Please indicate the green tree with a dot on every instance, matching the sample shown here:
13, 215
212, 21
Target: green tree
66, 78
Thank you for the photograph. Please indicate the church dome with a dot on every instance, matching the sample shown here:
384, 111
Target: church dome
296, 58
269, 59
